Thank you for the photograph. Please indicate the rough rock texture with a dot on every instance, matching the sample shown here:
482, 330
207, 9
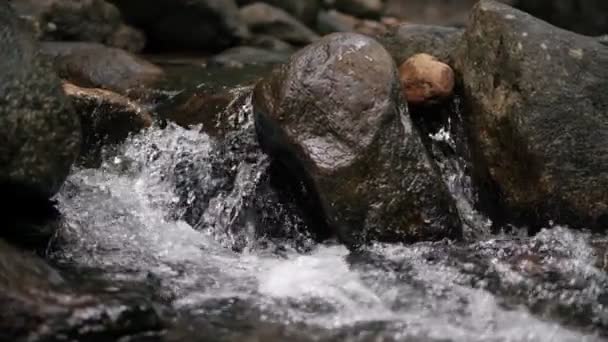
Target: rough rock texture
425, 80
303, 10
81, 20
185, 24
335, 118
583, 16
96, 66
538, 115
265, 19
107, 118
39, 132
430, 12
405, 40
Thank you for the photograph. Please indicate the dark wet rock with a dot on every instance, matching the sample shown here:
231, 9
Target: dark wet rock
248, 55
107, 118
39, 132
303, 10
405, 40
583, 16
40, 305
198, 25
537, 99
358, 157
603, 39
431, 12
216, 111
96, 66
358, 8
265, 19
333, 21
425, 80
86, 20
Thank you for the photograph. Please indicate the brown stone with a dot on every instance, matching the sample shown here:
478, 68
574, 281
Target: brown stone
426, 80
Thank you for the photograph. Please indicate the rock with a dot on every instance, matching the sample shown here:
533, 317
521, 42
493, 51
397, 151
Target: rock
430, 12
603, 39
41, 305
264, 19
335, 118
96, 66
358, 8
81, 20
538, 107
247, 55
269, 43
583, 16
199, 25
334, 21
425, 80
303, 10
405, 40
39, 132
107, 118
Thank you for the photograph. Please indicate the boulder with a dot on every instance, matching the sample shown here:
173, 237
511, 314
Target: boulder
269, 43
430, 12
335, 118
405, 40
265, 19
425, 80
303, 10
583, 16
185, 24
538, 109
39, 132
81, 20
358, 8
96, 66
107, 118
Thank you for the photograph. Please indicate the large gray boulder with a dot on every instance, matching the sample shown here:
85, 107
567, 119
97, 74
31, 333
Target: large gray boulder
262, 18
538, 99
39, 132
335, 118
185, 24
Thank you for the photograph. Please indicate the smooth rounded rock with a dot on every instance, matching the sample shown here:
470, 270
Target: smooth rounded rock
335, 118
425, 80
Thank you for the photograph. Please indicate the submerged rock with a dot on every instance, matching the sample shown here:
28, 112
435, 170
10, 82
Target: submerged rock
40, 305
81, 20
425, 80
538, 106
264, 19
335, 118
96, 66
107, 118
248, 55
39, 132
199, 25
405, 40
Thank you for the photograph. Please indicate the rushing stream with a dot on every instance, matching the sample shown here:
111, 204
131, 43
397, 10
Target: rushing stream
127, 221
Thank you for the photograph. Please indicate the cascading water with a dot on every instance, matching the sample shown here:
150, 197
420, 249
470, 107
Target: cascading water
160, 211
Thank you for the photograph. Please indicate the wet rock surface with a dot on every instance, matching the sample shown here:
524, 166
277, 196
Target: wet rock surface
405, 40
248, 55
96, 66
359, 156
303, 10
39, 132
88, 20
197, 25
262, 18
107, 118
537, 115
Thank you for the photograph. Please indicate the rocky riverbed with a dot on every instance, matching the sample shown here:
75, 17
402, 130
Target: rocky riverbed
307, 171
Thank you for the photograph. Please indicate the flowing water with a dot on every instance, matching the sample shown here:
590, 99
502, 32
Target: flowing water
132, 220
